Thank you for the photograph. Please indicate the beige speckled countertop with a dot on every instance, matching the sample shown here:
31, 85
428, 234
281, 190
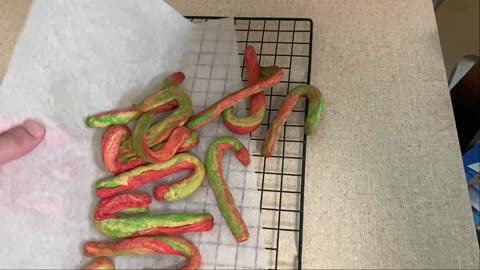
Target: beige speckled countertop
385, 185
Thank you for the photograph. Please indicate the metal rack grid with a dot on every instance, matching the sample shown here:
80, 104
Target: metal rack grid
285, 42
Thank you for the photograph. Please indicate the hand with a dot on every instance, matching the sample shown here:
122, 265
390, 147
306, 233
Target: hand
20, 140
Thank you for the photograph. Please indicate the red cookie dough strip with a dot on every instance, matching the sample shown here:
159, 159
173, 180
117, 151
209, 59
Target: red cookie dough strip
257, 101
110, 224
123, 116
225, 201
148, 173
207, 115
170, 245
101, 263
315, 108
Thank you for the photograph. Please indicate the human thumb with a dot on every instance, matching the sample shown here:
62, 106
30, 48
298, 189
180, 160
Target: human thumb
20, 140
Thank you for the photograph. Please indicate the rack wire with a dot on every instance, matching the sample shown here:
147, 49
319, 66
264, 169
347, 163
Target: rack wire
285, 42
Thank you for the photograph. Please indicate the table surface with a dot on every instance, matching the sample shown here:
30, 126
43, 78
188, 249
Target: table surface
385, 182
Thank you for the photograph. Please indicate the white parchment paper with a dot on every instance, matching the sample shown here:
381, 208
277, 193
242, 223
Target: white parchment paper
75, 58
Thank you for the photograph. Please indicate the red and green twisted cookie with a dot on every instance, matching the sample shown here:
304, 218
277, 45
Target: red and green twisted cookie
116, 163
173, 144
145, 136
107, 221
148, 173
123, 116
257, 101
111, 140
275, 75
315, 108
224, 198
126, 151
119, 149
170, 245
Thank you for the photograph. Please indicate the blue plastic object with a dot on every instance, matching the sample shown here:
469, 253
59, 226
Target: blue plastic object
471, 165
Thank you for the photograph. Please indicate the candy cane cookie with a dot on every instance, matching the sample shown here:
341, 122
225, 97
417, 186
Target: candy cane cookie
257, 101
170, 245
152, 172
315, 107
108, 221
224, 198
275, 74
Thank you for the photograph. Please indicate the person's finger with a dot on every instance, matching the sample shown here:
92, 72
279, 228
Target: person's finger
20, 140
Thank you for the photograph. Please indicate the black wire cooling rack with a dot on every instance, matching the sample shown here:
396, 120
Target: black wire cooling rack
285, 42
